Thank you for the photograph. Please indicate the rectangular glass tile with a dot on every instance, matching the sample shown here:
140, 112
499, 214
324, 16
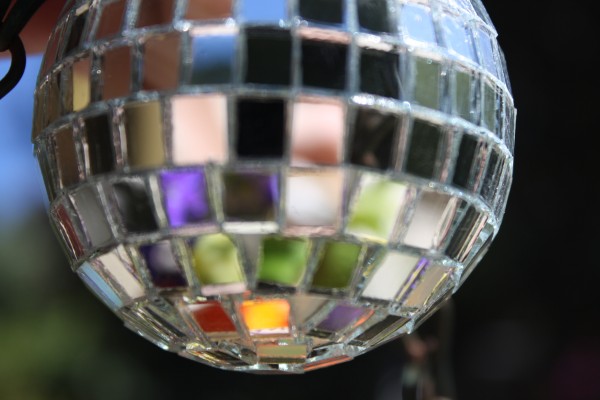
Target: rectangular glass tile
417, 24
186, 198
99, 144
425, 141
111, 19
51, 51
208, 9
374, 138
458, 37
283, 261
66, 157
274, 353
428, 288
165, 270
323, 11
341, 317
490, 107
154, 12
39, 108
314, 200
162, 58
250, 196
262, 11
428, 78
266, 317
431, 220
376, 208
199, 128
213, 59
373, 15
268, 56
134, 205
69, 232
464, 163
492, 176
118, 265
53, 100
466, 234
380, 73
487, 53
66, 86
261, 128
305, 307
216, 260
144, 133
92, 215
336, 265
116, 73
324, 64
82, 87
76, 33
464, 99
389, 324
211, 318
46, 168
98, 285
390, 276
318, 129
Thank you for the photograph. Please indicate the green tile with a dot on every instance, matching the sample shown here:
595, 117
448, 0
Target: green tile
337, 265
216, 260
376, 209
283, 261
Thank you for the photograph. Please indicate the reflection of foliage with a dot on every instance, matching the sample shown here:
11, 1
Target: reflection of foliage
50, 345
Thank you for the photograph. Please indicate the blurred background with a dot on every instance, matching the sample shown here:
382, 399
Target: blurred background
526, 322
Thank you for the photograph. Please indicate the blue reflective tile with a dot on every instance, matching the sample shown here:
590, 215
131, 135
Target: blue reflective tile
213, 59
99, 286
417, 23
486, 52
458, 38
256, 11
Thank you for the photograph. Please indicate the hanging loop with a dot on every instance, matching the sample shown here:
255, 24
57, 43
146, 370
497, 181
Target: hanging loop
10, 28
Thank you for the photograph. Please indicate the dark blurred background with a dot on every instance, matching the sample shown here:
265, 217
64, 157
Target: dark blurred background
526, 322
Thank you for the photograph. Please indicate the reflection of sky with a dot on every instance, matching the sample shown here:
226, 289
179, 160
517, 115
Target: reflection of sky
19, 184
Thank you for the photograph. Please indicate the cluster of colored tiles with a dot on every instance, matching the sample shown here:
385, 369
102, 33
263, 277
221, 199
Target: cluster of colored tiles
269, 184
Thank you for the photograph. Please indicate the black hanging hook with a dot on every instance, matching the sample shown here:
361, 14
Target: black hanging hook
12, 22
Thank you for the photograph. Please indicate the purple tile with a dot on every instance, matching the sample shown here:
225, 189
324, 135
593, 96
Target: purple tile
163, 266
186, 201
341, 317
250, 196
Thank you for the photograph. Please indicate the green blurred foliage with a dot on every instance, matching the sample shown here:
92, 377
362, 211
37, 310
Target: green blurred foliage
55, 337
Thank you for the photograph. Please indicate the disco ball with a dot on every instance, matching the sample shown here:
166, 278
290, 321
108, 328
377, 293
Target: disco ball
274, 185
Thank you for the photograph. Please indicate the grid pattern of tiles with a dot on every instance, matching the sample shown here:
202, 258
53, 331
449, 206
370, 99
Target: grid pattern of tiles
274, 187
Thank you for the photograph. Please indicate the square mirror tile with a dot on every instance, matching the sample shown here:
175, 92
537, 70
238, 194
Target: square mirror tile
261, 125
318, 129
250, 196
199, 131
134, 205
268, 56
144, 134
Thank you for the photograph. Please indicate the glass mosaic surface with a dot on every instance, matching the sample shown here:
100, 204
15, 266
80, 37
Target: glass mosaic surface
274, 186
